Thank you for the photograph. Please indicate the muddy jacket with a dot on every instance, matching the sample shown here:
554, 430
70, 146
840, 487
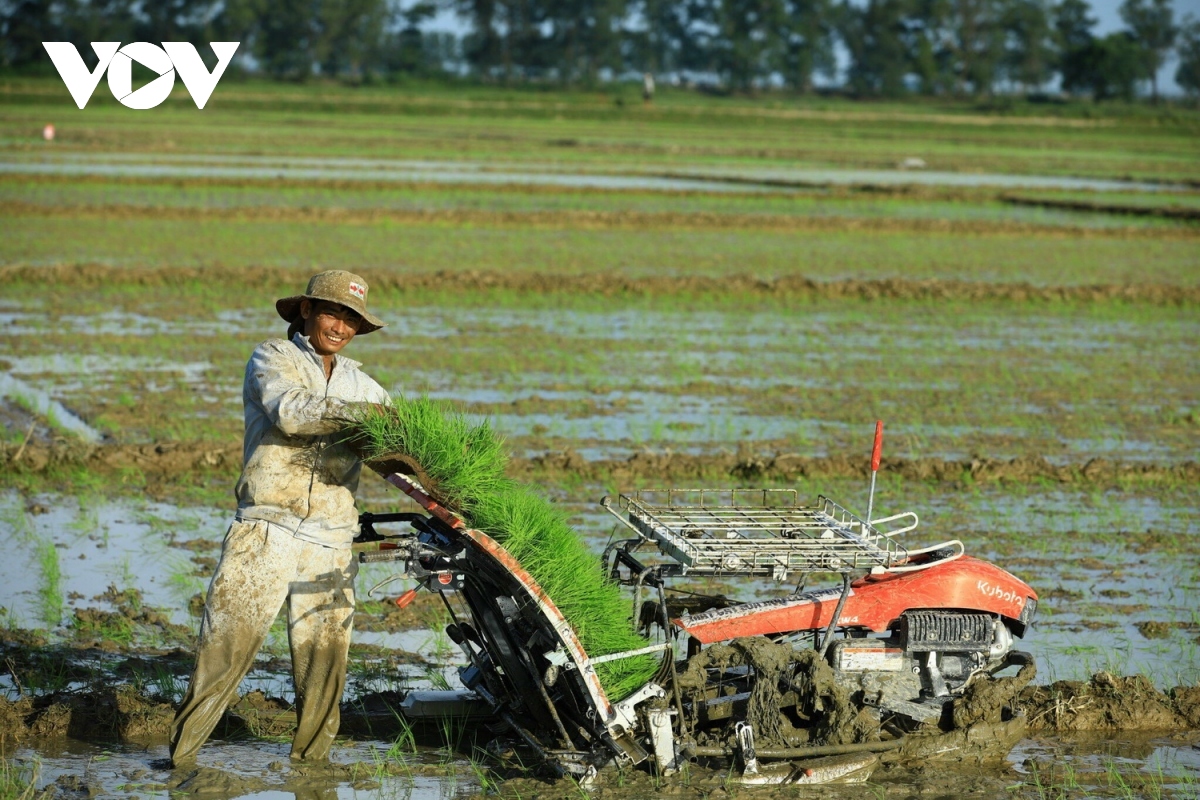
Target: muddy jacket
295, 473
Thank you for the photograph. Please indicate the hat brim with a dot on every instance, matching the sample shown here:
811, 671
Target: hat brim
289, 309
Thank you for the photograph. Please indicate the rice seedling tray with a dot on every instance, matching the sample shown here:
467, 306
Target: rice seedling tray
760, 531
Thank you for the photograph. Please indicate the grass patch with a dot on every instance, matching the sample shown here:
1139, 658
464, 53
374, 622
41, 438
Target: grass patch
465, 464
18, 780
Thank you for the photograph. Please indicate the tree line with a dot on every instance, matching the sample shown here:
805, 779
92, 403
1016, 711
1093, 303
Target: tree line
893, 47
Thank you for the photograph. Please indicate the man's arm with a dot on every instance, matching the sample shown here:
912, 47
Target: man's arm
279, 386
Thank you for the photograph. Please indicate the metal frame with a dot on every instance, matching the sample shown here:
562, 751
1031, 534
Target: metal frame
759, 532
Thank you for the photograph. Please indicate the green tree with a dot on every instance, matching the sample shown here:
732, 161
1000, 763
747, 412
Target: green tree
1114, 66
928, 40
1188, 73
24, 25
805, 42
176, 21
86, 21
482, 47
349, 35
281, 34
659, 44
410, 51
1073, 33
747, 39
976, 43
1152, 23
1029, 52
585, 37
875, 35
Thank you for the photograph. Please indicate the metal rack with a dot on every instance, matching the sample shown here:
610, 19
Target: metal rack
759, 532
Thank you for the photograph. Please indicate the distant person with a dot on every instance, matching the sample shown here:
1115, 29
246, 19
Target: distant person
647, 87
295, 520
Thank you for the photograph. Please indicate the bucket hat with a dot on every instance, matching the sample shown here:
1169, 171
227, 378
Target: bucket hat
336, 286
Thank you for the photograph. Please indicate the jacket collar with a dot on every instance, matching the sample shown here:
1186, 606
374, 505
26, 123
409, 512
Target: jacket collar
301, 341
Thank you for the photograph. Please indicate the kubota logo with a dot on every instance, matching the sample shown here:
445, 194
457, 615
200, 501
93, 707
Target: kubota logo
164, 61
991, 590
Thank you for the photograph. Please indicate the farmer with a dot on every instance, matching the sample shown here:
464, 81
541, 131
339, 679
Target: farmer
295, 520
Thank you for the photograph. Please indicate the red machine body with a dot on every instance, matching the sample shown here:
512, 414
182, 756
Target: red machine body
874, 602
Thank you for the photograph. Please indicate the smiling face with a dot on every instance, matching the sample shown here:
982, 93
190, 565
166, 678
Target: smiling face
329, 326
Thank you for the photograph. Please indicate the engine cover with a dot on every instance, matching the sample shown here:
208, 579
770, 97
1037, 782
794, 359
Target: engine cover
876, 603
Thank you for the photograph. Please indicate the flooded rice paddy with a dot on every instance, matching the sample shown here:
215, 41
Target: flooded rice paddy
607, 379
104, 591
165, 166
1114, 597
619, 310
1118, 576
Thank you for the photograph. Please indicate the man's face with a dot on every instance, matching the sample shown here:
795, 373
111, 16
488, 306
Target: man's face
329, 326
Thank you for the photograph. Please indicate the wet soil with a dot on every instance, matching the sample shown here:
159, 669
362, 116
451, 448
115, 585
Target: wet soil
425, 612
118, 713
614, 285
1111, 703
1104, 703
963, 762
167, 462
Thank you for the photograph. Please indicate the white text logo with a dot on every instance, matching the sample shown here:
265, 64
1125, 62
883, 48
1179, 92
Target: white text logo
988, 590
164, 61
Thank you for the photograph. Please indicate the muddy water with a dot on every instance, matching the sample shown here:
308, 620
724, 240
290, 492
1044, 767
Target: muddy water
717, 179
260, 770
646, 388
40, 402
357, 169
919, 177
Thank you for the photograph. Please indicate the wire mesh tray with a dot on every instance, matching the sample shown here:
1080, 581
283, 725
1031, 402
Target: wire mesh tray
759, 531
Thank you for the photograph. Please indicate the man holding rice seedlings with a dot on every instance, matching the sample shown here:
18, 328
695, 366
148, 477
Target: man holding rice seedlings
295, 521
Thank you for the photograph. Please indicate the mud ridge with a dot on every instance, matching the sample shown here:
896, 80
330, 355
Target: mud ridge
435, 284
1108, 702
171, 460
1165, 212
788, 466
112, 712
582, 220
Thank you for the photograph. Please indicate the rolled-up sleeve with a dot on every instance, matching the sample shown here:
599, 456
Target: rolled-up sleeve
285, 399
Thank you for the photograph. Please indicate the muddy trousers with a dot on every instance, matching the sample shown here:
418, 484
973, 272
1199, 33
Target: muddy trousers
261, 566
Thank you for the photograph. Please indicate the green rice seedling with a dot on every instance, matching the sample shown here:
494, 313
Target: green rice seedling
15, 518
405, 743
166, 684
477, 762
462, 461
465, 468
437, 679
538, 536
50, 594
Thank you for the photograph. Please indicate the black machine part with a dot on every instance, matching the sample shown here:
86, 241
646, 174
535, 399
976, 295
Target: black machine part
928, 659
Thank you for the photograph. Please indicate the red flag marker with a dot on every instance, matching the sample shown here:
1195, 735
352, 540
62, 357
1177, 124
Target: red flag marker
876, 455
